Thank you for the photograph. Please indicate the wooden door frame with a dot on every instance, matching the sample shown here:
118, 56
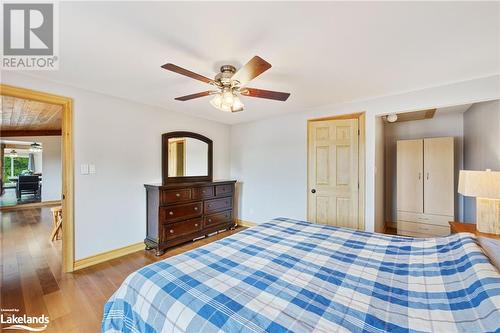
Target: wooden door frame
360, 116
68, 250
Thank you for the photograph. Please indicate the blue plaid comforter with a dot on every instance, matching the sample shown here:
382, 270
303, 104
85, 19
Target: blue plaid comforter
294, 276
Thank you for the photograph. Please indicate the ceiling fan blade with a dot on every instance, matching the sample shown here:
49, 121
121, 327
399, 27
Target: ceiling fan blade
269, 94
183, 71
193, 96
251, 70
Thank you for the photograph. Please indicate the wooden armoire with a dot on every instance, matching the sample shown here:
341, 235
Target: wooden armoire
425, 186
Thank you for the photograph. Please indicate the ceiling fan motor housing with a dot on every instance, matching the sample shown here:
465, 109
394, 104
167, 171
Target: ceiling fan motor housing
225, 75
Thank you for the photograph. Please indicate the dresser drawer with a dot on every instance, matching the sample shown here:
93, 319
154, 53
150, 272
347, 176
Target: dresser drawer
217, 205
440, 220
203, 192
426, 230
174, 196
180, 212
179, 229
221, 190
218, 218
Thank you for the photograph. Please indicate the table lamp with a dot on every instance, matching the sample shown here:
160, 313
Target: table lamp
485, 186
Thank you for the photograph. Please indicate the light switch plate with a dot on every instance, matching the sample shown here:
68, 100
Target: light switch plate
84, 169
92, 169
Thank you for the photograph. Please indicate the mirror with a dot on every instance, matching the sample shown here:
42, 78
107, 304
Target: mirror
186, 157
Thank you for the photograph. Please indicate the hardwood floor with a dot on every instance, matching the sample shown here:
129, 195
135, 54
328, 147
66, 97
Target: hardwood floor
31, 279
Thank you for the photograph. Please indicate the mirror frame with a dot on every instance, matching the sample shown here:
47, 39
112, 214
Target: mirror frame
164, 158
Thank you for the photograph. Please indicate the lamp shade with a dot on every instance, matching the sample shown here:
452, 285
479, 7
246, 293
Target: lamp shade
481, 184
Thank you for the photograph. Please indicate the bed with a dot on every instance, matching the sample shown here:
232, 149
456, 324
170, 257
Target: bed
294, 276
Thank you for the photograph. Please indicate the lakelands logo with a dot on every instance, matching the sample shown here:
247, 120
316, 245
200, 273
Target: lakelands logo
30, 36
23, 322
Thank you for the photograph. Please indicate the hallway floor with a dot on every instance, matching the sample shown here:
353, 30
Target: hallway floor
32, 281
8, 198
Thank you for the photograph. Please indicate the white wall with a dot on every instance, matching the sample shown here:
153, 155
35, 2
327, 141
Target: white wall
447, 124
481, 144
379, 175
123, 140
269, 156
51, 168
48, 162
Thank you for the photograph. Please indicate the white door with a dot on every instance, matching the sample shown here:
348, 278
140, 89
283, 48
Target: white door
410, 186
439, 176
333, 176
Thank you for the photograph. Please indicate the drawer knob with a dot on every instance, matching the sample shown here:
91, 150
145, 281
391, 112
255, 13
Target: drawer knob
171, 231
170, 213
209, 220
203, 191
196, 224
209, 205
177, 195
195, 208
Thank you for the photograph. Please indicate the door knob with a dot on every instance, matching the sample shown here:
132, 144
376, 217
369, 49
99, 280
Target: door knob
313, 190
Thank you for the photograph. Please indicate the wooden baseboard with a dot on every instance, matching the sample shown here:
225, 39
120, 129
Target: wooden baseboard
31, 205
244, 223
105, 256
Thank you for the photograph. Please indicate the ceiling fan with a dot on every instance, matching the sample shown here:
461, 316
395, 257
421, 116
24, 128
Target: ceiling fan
229, 84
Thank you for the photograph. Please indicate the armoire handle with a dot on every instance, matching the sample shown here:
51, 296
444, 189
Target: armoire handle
427, 176
419, 176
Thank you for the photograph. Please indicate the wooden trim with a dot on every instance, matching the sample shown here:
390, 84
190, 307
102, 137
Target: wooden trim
108, 255
361, 161
412, 115
13, 133
244, 223
356, 115
361, 170
392, 225
67, 163
31, 205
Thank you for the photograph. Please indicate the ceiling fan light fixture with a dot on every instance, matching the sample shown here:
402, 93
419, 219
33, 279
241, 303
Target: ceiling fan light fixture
13, 153
224, 103
216, 101
228, 97
237, 105
35, 147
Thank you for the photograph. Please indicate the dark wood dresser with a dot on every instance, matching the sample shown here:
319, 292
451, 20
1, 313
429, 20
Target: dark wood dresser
181, 212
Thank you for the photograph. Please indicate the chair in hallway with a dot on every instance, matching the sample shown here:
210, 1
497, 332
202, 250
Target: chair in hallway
28, 185
56, 223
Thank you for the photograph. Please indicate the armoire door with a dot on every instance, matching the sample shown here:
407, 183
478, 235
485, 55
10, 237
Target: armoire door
439, 176
333, 173
410, 161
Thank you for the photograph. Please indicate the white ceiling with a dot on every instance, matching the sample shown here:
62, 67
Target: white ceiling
322, 53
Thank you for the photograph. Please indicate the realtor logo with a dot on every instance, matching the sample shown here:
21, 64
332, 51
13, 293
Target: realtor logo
29, 36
